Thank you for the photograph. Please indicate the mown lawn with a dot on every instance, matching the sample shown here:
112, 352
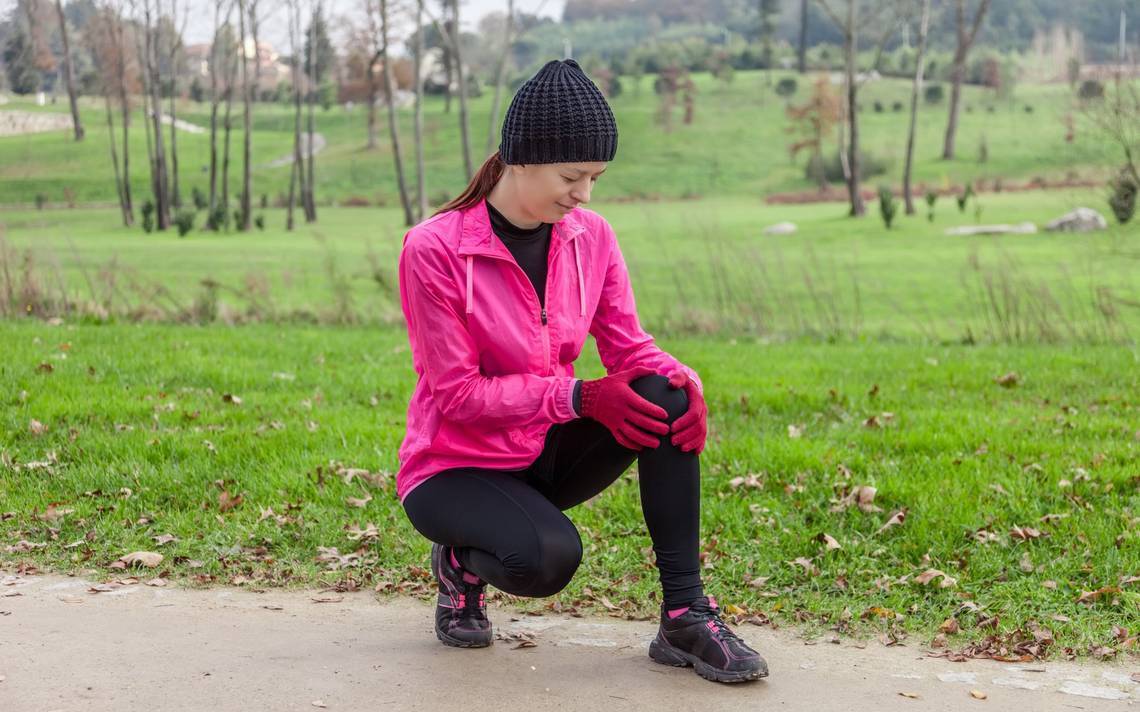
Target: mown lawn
235, 452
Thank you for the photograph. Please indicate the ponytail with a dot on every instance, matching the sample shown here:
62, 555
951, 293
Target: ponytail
480, 186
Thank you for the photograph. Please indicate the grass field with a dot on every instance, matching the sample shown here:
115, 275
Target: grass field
735, 146
117, 437
699, 267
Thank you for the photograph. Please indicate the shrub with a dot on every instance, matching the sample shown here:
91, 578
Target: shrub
887, 205
198, 197
786, 87
964, 197
931, 198
832, 168
877, 106
216, 219
41, 200
1091, 89
1029, 108
184, 221
259, 221
897, 106
1123, 197
148, 215
983, 150
933, 94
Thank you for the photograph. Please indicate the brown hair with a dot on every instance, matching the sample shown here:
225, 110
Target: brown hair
480, 186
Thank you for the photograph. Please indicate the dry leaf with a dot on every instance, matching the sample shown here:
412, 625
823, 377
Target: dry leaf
145, 558
164, 539
318, 703
361, 503
231, 398
227, 501
895, 519
829, 541
1008, 380
326, 599
1025, 533
930, 574
978, 694
759, 581
36, 427
911, 695
795, 431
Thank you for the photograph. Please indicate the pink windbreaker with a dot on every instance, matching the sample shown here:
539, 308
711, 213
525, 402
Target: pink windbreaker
495, 370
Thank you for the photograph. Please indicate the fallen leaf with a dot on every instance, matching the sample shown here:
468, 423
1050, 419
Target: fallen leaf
795, 431
895, 519
326, 599
930, 574
1025, 533
978, 694
146, 558
369, 533
949, 626
911, 695
231, 398
164, 539
829, 541
273, 607
759, 581
157, 582
361, 503
1008, 380
227, 501
318, 703
1090, 596
36, 427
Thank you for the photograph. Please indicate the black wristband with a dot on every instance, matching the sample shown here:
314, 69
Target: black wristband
578, 397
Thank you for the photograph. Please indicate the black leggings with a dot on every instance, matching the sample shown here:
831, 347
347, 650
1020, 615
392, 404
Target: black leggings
507, 526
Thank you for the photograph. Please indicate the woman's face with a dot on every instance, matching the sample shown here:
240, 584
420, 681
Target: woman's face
550, 190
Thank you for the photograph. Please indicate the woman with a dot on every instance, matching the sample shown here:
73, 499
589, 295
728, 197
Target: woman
499, 290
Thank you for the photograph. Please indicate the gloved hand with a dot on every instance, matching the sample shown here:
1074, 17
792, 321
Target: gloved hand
690, 430
630, 418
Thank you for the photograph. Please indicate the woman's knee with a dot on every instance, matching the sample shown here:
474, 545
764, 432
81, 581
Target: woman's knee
545, 567
655, 389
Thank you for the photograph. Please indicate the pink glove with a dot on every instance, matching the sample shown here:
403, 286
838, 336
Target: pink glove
630, 418
690, 430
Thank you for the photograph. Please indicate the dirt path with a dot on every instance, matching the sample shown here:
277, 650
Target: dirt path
149, 648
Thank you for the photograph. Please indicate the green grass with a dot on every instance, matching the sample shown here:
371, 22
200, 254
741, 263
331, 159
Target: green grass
698, 267
143, 408
736, 146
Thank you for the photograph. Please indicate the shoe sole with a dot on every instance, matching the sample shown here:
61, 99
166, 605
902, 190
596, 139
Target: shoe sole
457, 643
663, 652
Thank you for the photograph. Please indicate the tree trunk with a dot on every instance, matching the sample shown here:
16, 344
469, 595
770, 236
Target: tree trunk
162, 196
295, 171
175, 45
500, 79
246, 123
308, 194
227, 125
857, 207
462, 75
801, 51
214, 110
393, 128
125, 107
115, 159
965, 41
421, 188
68, 75
924, 25
373, 97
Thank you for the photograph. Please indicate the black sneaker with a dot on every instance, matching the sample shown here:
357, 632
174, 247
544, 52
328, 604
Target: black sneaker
698, 637
460, 613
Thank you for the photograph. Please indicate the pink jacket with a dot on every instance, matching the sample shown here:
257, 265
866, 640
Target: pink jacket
494, 369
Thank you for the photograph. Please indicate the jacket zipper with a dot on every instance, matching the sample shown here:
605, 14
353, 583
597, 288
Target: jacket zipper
542, 317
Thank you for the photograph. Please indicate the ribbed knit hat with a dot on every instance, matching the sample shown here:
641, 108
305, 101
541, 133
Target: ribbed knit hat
558, 116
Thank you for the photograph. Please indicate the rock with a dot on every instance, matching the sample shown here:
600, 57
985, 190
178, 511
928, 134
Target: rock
782, 228
1025, 228
1079, 220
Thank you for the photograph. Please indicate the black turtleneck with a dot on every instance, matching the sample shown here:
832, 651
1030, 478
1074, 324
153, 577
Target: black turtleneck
529, 248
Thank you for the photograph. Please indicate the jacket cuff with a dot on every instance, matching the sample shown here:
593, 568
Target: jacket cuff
564, 403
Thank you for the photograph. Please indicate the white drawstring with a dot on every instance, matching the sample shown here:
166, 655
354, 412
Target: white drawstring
470, 284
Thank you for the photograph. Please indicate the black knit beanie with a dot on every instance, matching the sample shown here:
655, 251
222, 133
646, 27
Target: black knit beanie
558, 116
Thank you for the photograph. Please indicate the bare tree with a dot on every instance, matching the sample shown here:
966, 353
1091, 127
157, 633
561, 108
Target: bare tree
68, 75
500, 79
966, 39
449, 32
307, 194
227, 128
801, 50
175, 48
418, 121
243, 7
916, 90
216, 60
120, 45
101, 39
393, 127
848, 25
153, 105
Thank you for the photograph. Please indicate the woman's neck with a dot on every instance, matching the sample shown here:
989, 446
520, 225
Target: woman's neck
502, 197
